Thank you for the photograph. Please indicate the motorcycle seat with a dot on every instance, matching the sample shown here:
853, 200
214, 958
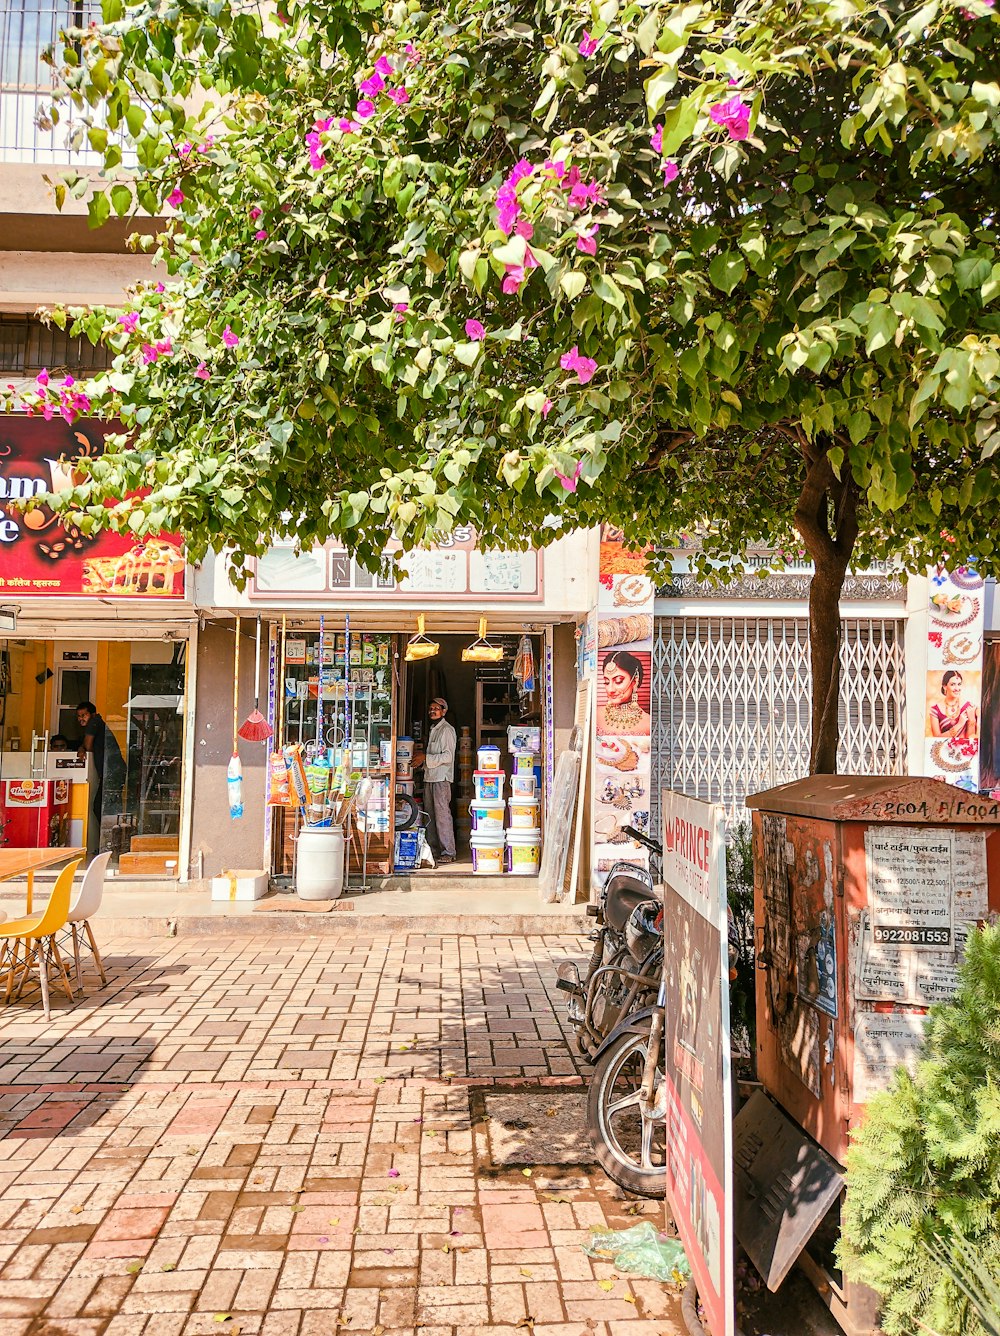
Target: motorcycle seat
624, 894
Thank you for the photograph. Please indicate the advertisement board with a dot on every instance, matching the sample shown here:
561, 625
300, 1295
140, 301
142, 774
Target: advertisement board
696, 1049
39, 557
952, 725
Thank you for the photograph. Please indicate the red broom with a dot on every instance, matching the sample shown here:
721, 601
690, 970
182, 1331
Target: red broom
256, 728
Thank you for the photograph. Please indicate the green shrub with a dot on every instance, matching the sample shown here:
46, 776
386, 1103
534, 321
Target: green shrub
739, 889
923, 1173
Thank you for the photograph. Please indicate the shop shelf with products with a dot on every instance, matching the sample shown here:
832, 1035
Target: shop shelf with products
352, 691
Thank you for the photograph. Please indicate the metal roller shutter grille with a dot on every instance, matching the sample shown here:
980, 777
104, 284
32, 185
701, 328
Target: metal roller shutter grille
730, 704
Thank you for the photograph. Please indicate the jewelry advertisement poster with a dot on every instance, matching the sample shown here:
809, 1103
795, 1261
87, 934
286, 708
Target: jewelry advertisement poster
624, 685
954, 677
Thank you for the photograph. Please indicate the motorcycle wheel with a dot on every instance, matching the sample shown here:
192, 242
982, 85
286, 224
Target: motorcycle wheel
630, 1149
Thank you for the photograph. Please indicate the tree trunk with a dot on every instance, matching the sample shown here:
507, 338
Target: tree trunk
827, 519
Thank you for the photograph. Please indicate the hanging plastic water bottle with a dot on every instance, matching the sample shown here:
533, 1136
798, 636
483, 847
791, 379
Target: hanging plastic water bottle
234, 783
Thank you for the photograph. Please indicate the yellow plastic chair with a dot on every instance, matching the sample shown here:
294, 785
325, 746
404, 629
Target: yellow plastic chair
38, 937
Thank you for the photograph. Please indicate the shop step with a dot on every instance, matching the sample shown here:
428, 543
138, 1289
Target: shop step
144, 844
148, 864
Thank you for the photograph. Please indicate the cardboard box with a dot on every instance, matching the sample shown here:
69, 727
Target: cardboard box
240, 884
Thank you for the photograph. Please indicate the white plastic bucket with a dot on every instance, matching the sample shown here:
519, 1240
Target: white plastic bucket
524, 763
524, 852
487, 854
489, 785
319, 863
524, 813
404, 750
523, 786
488, 758
487, 817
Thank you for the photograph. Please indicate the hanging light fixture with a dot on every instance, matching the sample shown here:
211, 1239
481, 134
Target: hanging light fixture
419, 647
481, 651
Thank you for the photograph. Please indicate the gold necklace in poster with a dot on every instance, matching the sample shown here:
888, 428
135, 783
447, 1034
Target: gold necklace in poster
623, 718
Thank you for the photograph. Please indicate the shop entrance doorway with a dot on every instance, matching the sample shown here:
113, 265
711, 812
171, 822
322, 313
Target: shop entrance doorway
490, 705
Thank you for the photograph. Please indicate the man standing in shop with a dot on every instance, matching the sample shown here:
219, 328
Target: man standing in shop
439, 775
102, 746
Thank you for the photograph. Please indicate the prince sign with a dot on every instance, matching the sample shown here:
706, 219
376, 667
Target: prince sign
696, 1049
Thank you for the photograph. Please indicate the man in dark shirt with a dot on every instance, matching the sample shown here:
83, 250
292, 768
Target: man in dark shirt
109, 766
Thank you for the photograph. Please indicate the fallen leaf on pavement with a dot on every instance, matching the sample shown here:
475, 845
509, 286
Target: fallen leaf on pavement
551, 1113
527, 1172
446, 1248
606, 1285
169, 1266
134, 1268
380, 1080
76, 1210
629, 1298
223, 1317
526, 1271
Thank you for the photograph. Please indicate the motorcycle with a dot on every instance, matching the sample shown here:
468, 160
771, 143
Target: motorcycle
618, 1010
623, 973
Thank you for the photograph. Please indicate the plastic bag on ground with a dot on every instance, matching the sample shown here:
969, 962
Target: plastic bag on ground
641, 1251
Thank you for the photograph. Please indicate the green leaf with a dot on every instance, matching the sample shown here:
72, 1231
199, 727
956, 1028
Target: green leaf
881, 328
608, 291
573, 283
727, 270
98, 209
467, 353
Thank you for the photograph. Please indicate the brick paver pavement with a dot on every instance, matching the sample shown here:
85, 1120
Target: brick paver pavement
281, 1137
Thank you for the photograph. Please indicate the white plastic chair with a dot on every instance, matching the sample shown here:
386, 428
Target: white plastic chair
86, 905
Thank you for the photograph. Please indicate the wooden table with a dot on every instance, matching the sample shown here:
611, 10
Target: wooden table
26, 862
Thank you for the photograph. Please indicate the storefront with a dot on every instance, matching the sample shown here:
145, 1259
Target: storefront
102, 622
348, 675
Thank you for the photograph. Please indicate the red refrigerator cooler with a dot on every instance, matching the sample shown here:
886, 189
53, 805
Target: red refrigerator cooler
34, 813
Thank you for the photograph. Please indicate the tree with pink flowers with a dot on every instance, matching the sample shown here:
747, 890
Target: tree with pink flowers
539, 265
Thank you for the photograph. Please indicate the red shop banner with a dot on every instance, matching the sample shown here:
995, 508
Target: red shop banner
39, 556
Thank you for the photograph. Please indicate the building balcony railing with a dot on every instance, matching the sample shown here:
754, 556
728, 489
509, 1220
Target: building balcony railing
27, 134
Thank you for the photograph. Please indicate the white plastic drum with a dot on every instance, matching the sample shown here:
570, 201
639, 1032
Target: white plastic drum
319, 863
524, 852
487, 854
524, 813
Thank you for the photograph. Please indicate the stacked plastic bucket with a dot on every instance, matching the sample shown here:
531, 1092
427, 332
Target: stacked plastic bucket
506, 832
524, 832
487, 809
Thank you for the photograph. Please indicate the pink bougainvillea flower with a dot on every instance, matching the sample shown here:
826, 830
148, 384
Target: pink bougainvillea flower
583, 366
68, 381
412, 52
555, 167
546, 408
364, 109
656, 139
229, 338
255, 213
324, 124
164, 347
584, 194
393, 1173
588, 44
348, 127
586, 241
128, 322
524, 229
670, 171
383, 67
521, 170
209, 141
149, 353
513, 277
261, 234
732, 115
185, 150
159, 288
569, 482
201, 371
570, 178
475, 331
176, 197
398, 95
372, 85
400, 309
